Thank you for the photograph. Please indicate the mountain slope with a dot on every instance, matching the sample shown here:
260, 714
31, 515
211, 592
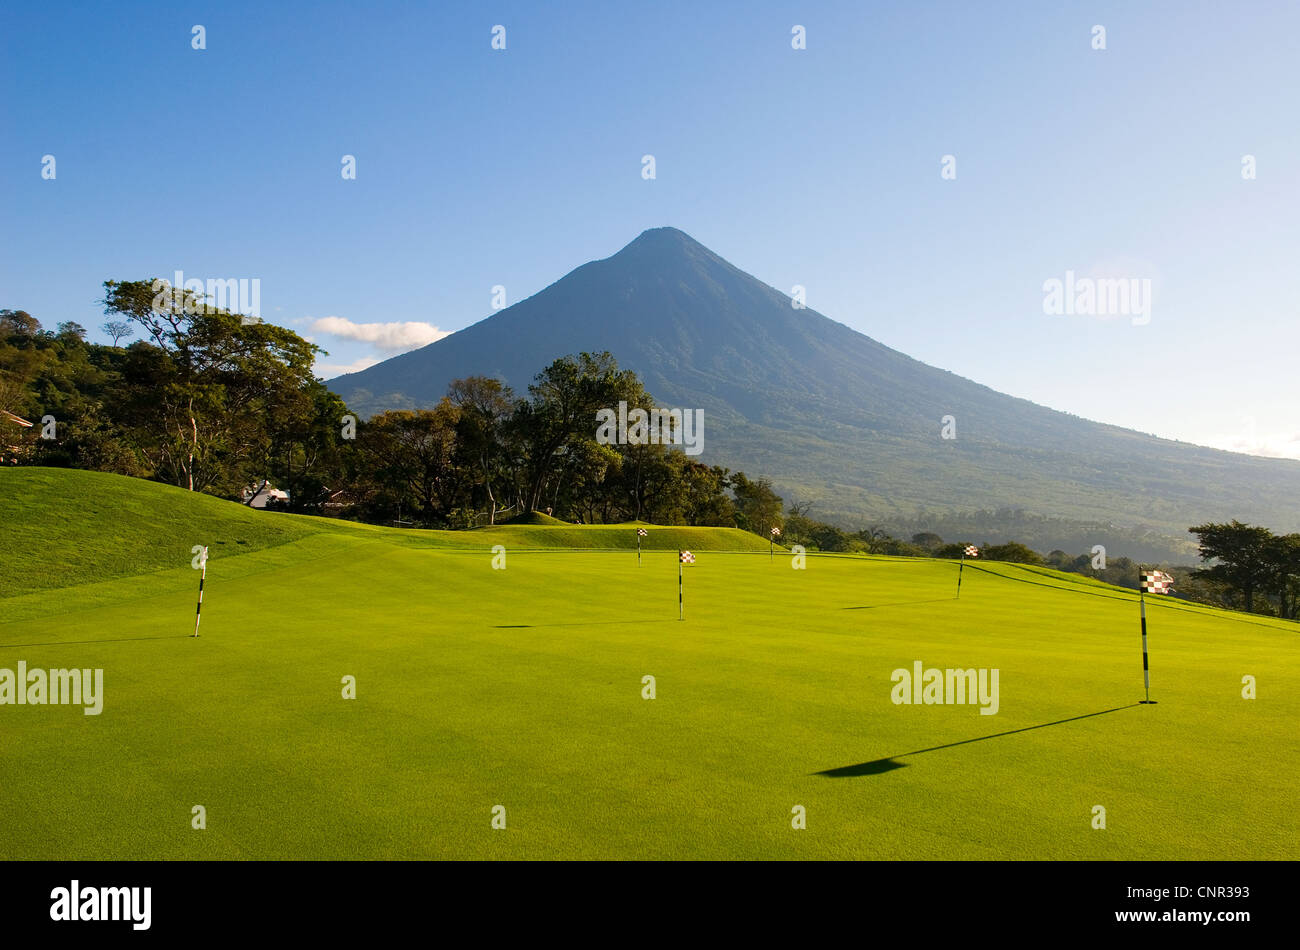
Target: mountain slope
833, 416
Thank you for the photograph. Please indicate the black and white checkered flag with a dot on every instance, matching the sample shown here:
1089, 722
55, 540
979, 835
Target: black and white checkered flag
641, 532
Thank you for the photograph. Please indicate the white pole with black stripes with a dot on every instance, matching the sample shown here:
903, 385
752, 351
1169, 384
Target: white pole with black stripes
198, 611
1155, 582
640, 533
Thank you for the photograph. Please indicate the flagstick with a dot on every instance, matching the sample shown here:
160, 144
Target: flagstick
960, 568
198, 611
681, 614
1146, 669
771, 547
638, 549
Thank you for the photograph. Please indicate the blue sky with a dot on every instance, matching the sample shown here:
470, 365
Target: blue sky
818, 167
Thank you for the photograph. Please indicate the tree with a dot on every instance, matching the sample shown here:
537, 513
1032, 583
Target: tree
207, 371
1246, 556
117, 329
758, 507
485, 405
69, 330
1012, 551
927, 540
299, 444
565, 398
18, 323
411, 457
1284, 554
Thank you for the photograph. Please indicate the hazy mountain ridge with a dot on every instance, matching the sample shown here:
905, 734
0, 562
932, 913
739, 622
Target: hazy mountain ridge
830, 414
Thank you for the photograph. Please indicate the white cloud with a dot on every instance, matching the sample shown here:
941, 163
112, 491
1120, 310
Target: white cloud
330, 370
1270, 446
1252, 442
389, 337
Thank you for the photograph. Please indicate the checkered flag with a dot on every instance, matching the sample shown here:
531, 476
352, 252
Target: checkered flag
1157, 582
972, 551
641, 532
686, 557
775, 531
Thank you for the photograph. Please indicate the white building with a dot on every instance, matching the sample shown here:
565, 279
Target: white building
257, 496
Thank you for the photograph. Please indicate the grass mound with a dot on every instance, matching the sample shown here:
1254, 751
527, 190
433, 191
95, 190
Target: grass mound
63, 527
60, 527
533, 518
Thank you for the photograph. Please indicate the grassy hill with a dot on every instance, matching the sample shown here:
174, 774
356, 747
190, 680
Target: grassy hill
523, 687
65, 527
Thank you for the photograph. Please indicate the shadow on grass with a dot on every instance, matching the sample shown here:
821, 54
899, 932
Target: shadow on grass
880, 766
596, 623
59, 643
902, 603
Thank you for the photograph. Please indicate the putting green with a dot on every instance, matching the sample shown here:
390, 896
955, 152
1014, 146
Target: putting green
522, 687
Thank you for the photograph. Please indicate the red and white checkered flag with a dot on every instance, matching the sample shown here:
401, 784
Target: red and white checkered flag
972, 551
686, 557
775, 531
1157, 582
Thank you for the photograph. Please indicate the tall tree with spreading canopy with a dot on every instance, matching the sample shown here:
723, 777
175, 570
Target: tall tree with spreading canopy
485, 405
1244, 554
214, 376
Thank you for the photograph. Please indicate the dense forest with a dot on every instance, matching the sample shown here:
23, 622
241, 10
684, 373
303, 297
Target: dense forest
215, 402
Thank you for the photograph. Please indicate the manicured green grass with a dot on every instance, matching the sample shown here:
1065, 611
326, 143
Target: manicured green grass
523, 687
